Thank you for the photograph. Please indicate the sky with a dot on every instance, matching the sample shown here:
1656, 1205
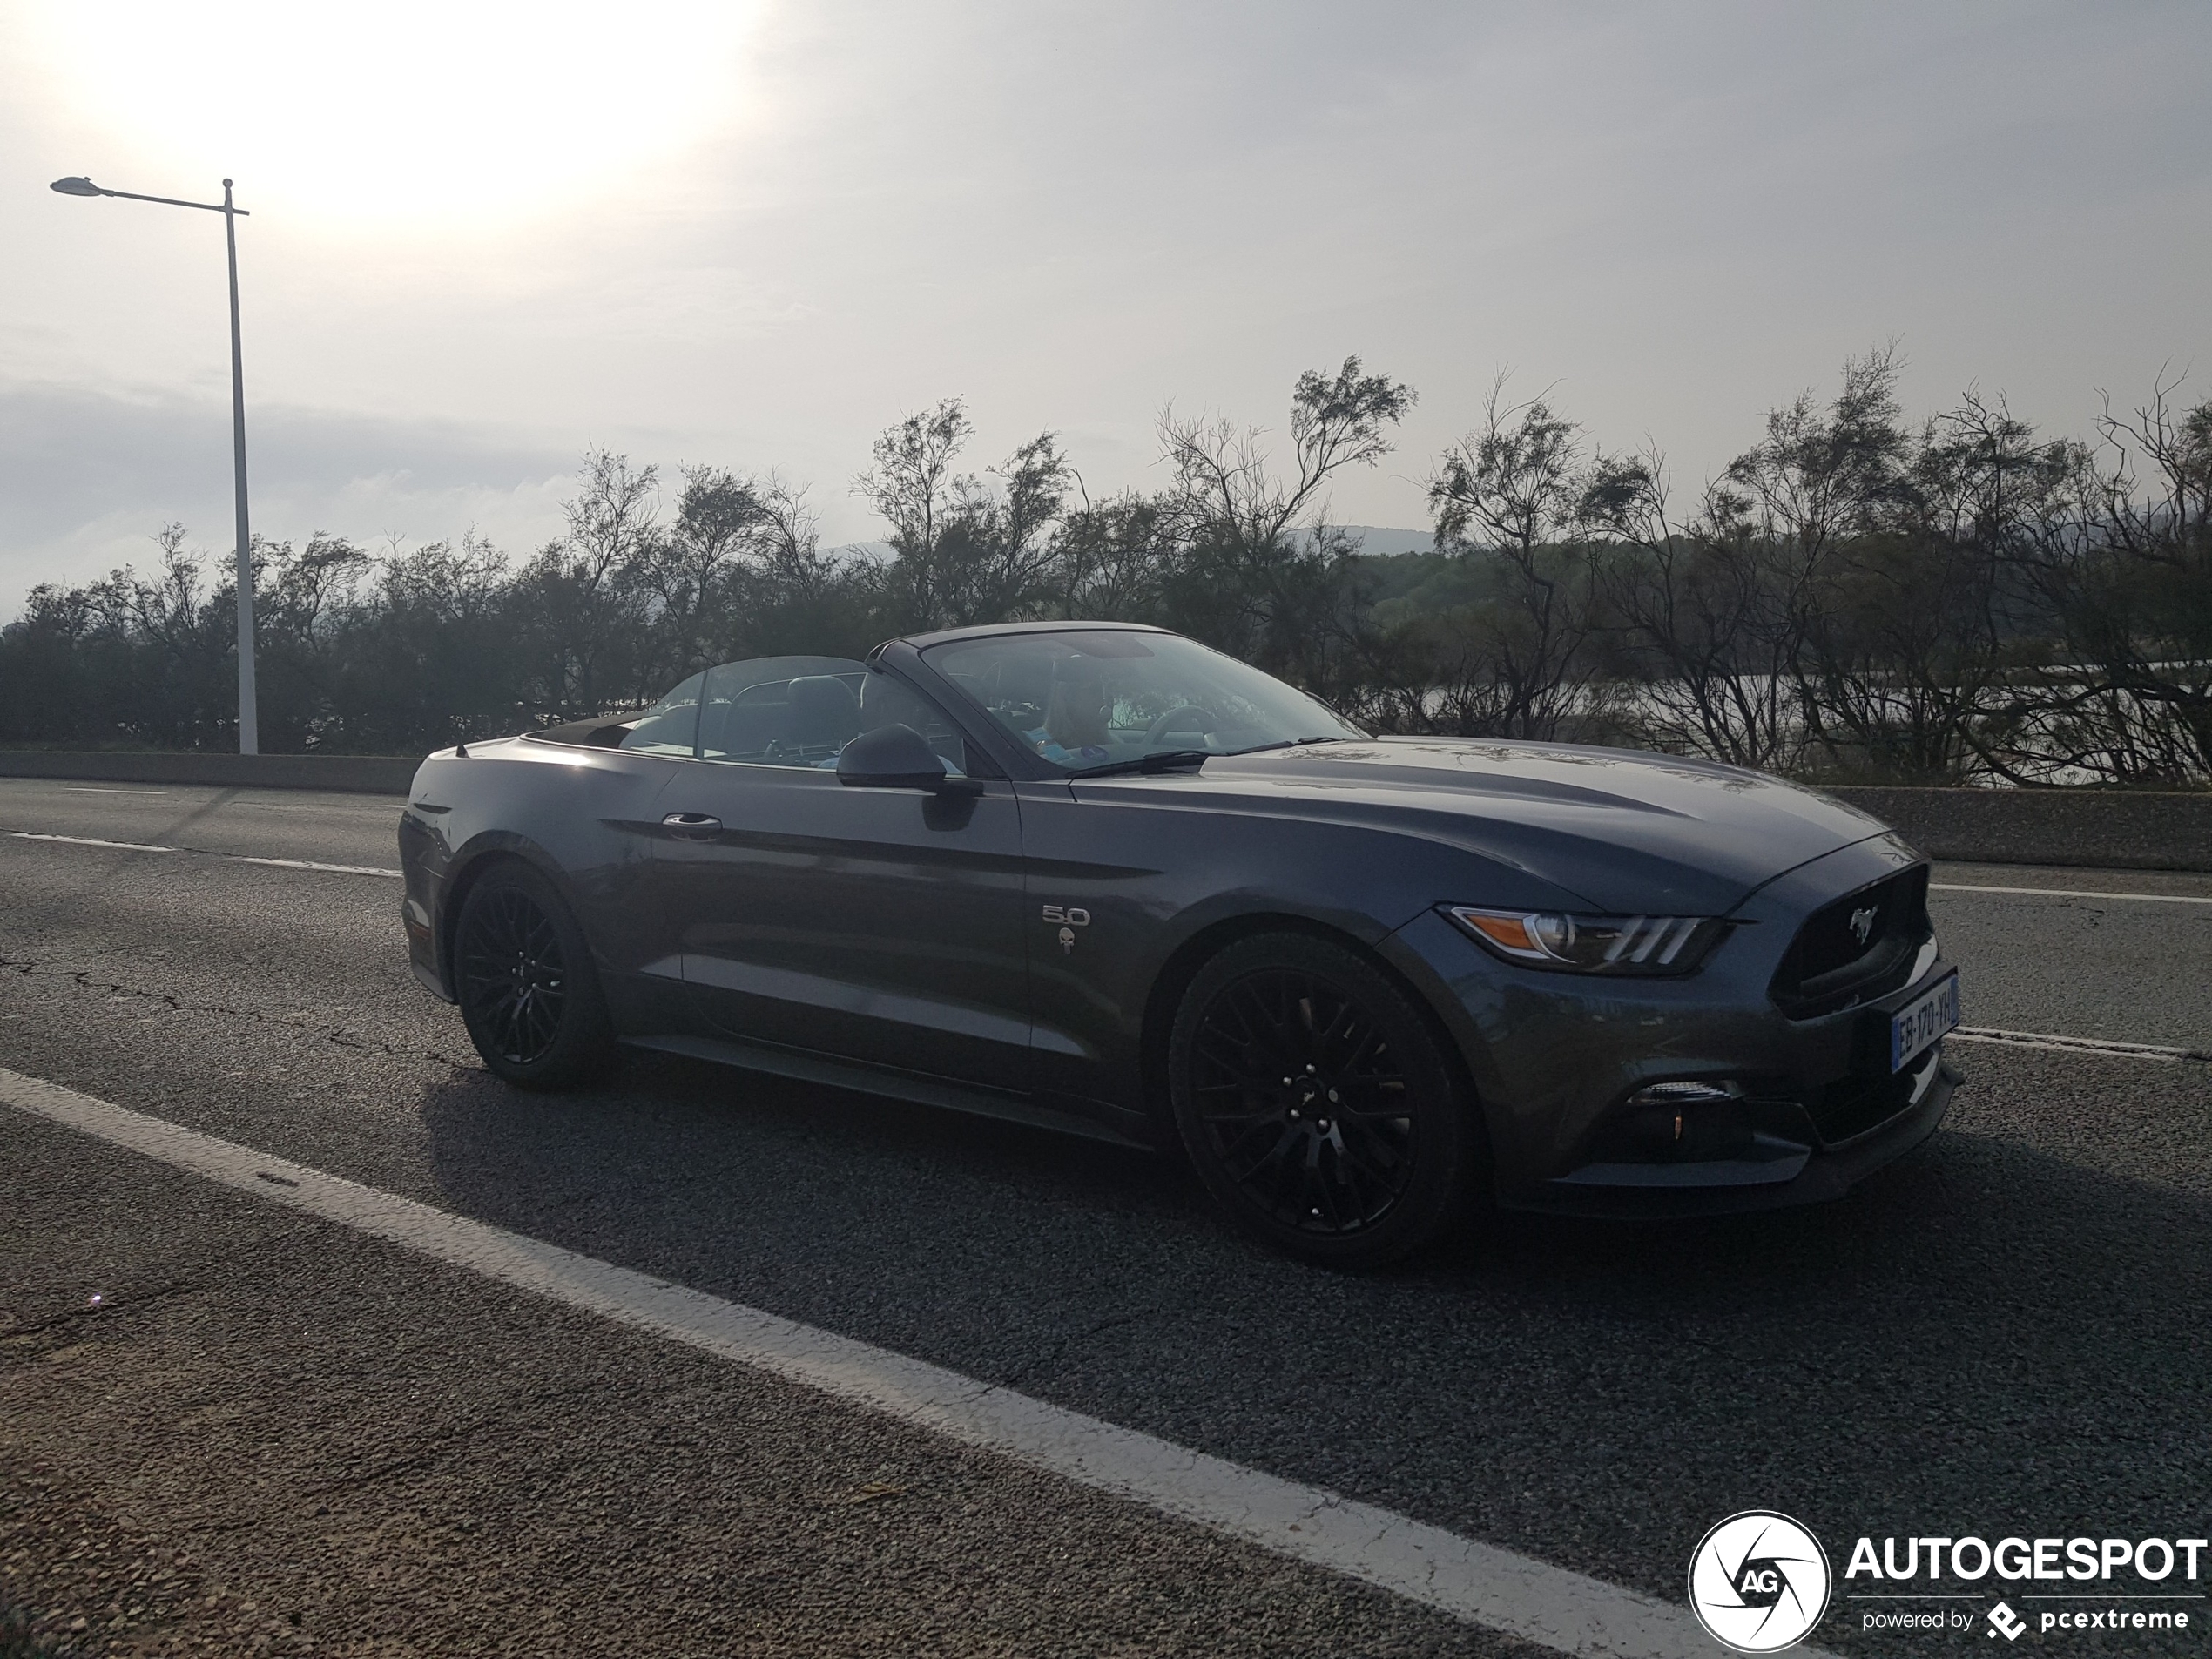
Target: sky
753, 233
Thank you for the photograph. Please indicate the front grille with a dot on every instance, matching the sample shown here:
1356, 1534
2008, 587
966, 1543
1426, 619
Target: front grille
1842, 955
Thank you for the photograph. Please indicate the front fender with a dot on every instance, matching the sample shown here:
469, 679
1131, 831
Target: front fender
582, 819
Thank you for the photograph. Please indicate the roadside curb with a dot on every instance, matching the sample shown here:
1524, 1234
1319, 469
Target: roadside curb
2112, 829
354, 774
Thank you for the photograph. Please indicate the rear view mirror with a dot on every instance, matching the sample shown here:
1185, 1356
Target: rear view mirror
896, 757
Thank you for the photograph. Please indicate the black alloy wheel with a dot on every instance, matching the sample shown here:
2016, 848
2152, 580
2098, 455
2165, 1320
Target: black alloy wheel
523, 974
1316, 1103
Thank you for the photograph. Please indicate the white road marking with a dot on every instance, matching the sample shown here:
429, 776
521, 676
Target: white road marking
2079, 1045
96, 789
309, 864
201, 853
85, 841
2072, 892
1518, 1594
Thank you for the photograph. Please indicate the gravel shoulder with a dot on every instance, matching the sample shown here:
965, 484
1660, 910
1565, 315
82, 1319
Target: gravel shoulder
269, 1435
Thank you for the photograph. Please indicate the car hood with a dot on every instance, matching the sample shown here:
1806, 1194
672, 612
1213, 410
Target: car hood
1628, 830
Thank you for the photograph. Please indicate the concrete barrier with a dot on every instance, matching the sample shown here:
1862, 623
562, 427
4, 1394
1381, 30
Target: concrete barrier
2113, 829
357, 774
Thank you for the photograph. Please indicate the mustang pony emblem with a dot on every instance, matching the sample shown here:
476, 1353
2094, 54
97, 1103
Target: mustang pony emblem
1862, 923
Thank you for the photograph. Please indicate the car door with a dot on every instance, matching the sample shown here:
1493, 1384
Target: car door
882, 926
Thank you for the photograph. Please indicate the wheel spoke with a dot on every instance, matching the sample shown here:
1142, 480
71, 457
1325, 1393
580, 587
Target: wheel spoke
1270, 1152
1213, 1048
1388, 1104
513, 978
1277, 1054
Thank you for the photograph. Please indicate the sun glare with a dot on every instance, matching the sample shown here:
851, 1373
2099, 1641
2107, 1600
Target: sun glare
400, 111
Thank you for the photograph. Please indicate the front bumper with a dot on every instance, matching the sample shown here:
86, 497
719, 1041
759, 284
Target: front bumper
423, 857
1718, 1188
1554, 1059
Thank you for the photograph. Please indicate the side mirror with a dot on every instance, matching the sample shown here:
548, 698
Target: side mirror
896, 757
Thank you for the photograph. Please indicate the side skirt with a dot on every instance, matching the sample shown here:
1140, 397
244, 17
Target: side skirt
868, 1080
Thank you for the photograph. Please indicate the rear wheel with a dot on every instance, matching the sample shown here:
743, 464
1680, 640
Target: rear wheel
1316, 1105
528, 992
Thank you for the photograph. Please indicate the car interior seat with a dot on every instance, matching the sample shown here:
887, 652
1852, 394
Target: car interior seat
1076, 714
1017, 692
746, 724
824, 715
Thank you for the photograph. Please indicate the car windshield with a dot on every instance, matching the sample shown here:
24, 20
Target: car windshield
1085, 699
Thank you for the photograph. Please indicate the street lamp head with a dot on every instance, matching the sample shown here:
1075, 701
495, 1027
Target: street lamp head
77, 187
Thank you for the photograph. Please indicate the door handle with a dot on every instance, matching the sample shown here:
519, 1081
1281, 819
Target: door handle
692, 826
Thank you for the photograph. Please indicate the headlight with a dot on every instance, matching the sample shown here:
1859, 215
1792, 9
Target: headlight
1642, 945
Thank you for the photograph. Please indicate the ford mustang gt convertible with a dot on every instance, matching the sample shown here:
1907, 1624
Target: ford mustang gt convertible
1101, 878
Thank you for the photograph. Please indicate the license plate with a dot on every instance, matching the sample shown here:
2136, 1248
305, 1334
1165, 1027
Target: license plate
1911, 1029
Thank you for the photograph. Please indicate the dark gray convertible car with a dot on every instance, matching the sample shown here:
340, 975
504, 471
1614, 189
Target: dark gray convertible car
1105, 879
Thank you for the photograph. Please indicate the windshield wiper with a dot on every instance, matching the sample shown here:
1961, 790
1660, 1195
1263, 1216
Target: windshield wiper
1164, 760
1287, 743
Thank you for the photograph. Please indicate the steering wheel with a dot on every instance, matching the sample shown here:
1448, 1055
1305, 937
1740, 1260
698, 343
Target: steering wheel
1198, 719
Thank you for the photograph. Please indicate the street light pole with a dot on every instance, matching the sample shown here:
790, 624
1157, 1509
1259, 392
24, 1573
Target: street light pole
249, 714
249, 725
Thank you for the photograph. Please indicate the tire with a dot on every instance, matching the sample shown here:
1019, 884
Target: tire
523, 974
1317, 1105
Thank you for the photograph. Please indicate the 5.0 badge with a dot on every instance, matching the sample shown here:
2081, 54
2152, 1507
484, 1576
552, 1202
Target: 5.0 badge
1069, 918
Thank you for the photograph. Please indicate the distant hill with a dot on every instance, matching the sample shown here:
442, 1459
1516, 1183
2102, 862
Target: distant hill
1380, 542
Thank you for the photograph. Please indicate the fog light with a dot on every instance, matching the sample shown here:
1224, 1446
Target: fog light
1685, 1094
1678, 1121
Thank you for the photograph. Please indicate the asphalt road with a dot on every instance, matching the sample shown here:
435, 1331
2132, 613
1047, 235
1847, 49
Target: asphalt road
2007, 1332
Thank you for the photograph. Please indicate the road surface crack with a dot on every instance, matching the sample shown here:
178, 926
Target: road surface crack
427, 1448
84, 980
100, 1304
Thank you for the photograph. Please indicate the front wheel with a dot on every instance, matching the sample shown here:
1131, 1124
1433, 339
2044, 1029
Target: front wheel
528, 994
1316, 1105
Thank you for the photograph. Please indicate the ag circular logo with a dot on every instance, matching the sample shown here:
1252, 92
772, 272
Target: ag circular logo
1759, 1582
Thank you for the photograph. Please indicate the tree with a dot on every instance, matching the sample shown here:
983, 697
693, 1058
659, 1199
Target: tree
687, 572
1732, 615
1222, 474
582, 600
2120, 558
1511, 660
964, 551
1257, 570
1118, 555
1914, 616
1853, 595
431, 655
1698, 612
